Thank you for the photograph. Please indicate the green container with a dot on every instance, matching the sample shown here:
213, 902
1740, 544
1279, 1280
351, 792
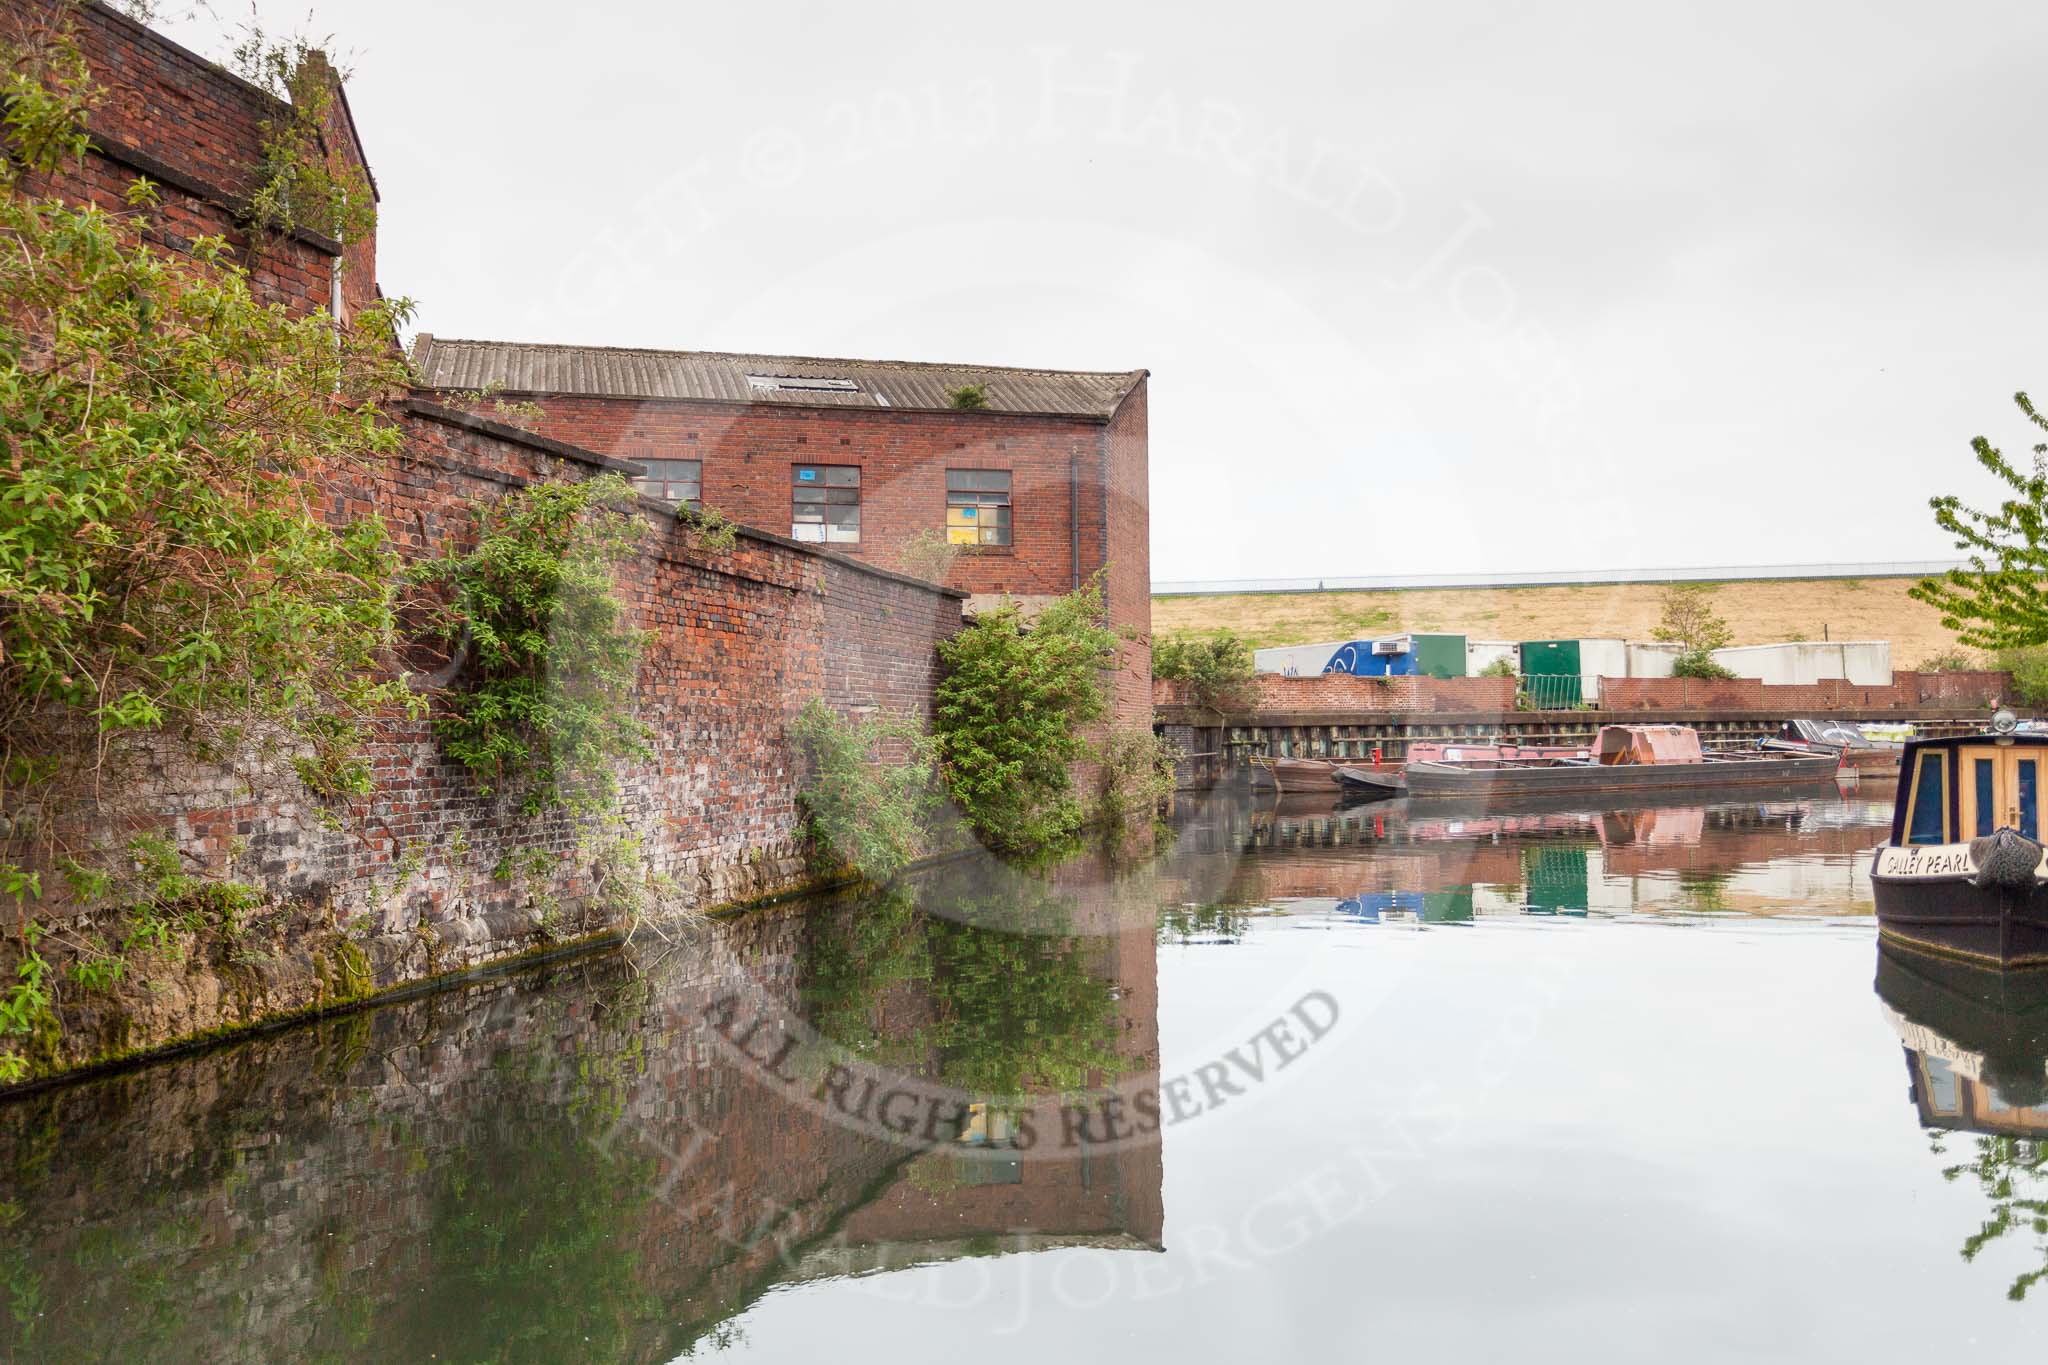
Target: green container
1550, 669
1440, 656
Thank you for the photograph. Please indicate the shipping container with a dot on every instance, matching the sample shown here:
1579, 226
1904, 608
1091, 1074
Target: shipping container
1440, 656
1295, 660
1550, 673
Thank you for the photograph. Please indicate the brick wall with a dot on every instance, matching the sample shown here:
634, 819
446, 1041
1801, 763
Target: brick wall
1126, 550
1908, 689
1339, 692
741, 640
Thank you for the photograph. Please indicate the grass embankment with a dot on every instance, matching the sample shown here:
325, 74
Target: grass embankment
1763, 612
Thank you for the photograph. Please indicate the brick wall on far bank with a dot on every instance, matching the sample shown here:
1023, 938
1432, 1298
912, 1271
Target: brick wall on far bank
1329, 692
1907, 689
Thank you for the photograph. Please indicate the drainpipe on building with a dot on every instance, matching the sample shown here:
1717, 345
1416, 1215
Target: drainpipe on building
1074, 516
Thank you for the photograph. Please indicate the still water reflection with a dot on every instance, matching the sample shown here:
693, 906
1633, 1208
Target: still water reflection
1385, 1081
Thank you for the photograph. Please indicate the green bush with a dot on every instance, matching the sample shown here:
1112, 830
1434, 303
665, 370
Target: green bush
1698, 663
968, 397
1499, 668
1950, 661
1010, 711
544, 705
2029, 669
870, 788
1217, 670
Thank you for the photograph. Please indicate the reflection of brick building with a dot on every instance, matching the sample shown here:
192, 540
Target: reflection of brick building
573, 1160
1040, 489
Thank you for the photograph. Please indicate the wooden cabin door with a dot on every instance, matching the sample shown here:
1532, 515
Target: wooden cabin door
1999, 786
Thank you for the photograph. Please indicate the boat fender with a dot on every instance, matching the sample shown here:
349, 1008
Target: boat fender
2004, 857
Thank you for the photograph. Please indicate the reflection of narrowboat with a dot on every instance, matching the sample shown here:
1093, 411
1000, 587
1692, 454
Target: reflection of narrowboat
1623, 758
1845, 739
1962, 873
1976, 1041
1371, 782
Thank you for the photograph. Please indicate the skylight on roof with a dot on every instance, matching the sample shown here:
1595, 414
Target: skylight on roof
800, 383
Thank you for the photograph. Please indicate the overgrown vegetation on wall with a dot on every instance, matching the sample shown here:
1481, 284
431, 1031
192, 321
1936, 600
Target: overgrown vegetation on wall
166, 574
163, 564
298, 186
872, 788
542, 706
1011, 714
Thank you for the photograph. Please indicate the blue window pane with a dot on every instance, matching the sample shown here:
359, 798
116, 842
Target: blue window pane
1930, 796
1987, 804
2030, 817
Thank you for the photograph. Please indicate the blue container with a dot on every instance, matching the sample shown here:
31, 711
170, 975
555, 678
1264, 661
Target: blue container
1370, 659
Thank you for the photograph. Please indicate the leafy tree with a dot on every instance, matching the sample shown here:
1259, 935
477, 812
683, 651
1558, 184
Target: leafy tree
1010, 713
968, 397
1217, 670
1689, 619
2001, 600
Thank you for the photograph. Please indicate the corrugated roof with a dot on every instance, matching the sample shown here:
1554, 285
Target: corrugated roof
724, 377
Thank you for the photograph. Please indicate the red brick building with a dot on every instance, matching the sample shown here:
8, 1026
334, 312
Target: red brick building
1040, 489
199, 132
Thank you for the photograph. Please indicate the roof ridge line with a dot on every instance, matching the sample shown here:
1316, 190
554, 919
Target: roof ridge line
764, 355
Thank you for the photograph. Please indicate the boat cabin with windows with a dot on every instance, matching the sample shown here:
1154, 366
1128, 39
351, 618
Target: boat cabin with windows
1954, 790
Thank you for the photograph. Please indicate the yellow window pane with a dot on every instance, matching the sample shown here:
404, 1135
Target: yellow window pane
962, 535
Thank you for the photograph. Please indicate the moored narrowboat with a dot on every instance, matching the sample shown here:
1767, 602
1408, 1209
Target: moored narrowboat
1286, 774
1845, 739
1962, 874
1622, 758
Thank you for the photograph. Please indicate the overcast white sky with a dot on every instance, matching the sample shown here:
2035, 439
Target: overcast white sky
1423, 287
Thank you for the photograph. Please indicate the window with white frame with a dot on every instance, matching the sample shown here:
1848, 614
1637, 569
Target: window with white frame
678, 481
978, 506
825, 503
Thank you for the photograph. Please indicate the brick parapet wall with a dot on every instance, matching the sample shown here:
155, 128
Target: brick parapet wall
1907, 689
1337, 693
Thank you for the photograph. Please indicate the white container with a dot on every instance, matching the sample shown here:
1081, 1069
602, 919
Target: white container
1651, 660
1481, 653
1865, 663
1296, 660
1601, 658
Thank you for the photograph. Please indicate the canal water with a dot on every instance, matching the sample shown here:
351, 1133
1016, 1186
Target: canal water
1377, 1083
